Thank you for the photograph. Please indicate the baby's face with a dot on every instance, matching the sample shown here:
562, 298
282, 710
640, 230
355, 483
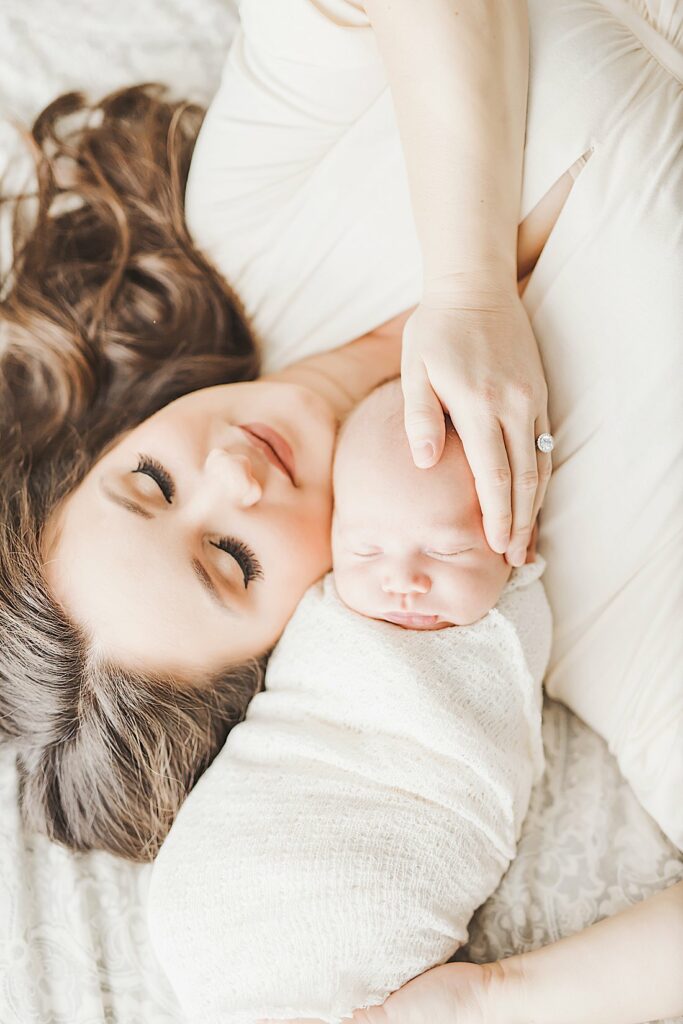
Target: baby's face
408, 544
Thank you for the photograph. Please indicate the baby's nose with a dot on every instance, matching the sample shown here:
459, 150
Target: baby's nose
404, 579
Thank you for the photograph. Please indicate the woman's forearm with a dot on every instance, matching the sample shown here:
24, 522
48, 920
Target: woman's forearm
458, 74
623, 970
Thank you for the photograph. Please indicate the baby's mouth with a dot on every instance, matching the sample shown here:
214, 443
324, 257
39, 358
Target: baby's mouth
410, 620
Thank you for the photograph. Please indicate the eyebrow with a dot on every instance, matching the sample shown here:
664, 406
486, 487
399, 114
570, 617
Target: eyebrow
130, 506
197, 567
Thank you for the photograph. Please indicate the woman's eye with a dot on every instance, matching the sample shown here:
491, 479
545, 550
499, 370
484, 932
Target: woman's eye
152, 468
243, 555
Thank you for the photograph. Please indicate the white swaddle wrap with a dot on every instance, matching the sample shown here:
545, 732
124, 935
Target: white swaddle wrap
369, 802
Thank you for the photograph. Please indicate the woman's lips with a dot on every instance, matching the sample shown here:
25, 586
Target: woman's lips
414, 621
273, 446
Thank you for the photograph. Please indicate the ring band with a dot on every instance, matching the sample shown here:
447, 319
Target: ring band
545, 443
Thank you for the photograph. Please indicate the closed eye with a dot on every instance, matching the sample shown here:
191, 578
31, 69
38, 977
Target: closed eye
244, 556
150, 467
237, 549
447, 554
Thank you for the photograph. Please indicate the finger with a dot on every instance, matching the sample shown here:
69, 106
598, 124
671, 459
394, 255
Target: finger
521, 447
545, 466
422, 415
531, 550
487, 455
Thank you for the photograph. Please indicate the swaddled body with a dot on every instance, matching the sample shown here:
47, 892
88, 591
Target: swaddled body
370, 801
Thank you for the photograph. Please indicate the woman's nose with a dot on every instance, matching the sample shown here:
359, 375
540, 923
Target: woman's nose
234, 471
404, 579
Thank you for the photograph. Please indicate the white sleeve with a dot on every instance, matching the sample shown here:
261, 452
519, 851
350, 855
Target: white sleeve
297, 75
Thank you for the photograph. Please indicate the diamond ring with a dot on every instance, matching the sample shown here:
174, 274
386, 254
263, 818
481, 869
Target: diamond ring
545, 442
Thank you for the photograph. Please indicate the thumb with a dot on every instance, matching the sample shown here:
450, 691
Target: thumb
423, 417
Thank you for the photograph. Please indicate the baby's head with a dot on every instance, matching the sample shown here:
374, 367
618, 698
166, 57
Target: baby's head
408, 544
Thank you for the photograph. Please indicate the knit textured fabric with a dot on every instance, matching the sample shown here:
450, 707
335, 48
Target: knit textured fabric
368, 804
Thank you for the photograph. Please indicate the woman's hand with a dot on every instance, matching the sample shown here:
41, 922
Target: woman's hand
479, 362
449, 994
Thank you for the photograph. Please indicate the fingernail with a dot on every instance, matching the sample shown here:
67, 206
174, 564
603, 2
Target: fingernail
423, 453
517, 557
499, 545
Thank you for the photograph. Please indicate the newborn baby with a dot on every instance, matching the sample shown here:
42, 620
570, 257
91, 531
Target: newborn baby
372, 798
408, 545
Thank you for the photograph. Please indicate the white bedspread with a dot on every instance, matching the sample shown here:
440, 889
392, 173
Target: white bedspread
73, 942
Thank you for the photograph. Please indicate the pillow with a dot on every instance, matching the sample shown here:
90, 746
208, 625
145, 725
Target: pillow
606, 304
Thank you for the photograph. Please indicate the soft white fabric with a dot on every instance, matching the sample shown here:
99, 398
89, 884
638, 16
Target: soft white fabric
369, 803
299, 192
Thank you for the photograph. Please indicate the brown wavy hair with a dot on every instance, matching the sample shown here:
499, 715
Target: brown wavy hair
108, 313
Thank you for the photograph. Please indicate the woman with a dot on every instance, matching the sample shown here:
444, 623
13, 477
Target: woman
112, 737
113, 619
54, 786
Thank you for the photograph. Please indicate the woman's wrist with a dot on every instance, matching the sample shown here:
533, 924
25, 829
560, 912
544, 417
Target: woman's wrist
506, 995
486, 287
621, 970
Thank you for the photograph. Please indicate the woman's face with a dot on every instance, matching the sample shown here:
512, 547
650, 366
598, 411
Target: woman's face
187, 546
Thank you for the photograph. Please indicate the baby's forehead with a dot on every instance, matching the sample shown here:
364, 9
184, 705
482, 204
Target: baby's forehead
379, 417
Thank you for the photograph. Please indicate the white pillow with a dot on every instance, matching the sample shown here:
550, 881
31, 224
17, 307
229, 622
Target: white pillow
606, 304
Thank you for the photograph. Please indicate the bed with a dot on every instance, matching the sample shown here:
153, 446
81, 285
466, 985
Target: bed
74, 947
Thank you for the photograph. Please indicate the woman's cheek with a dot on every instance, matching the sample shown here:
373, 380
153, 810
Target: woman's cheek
311, 540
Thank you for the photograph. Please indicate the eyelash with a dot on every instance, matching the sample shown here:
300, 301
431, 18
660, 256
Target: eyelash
237, 549
447, 554
244, 556
430, 554
150, 467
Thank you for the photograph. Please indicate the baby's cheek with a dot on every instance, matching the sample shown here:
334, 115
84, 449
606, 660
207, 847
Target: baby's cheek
477, 591
493, 579
347, 584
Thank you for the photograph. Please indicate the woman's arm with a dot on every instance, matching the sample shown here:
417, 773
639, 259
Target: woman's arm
346, 374
623, 970
458, 76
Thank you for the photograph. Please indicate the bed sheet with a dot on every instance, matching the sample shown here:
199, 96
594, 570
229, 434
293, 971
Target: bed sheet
73, 940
